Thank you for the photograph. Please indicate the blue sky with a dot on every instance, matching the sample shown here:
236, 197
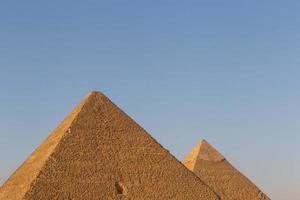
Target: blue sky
226, 71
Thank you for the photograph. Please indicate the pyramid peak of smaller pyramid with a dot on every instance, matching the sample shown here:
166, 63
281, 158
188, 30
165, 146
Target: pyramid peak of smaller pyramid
208, 152
204, 151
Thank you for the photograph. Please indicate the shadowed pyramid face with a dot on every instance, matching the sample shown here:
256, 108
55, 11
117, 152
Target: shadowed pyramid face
98, 152
211, 166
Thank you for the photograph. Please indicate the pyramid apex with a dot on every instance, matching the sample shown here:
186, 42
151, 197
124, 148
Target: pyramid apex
208, 152
203, 151
95, 92
204, 142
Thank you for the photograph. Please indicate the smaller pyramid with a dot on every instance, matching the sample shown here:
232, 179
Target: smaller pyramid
204, 151
214, 170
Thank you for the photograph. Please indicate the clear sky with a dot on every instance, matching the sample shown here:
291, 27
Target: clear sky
226, 71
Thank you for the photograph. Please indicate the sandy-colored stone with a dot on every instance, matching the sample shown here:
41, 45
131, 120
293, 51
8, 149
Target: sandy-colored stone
98, 152
214, 170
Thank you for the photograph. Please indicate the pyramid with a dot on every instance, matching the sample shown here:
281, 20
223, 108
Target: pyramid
206, 162
99, 153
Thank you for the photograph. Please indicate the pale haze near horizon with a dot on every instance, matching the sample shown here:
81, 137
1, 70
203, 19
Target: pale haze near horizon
224, 71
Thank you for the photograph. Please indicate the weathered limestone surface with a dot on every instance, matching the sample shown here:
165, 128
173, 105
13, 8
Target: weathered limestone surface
214, 170
98, 152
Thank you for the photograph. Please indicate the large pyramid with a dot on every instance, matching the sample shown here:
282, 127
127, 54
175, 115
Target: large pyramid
206, 162
98, 152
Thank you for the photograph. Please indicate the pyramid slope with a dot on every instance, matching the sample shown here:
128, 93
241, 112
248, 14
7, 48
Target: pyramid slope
207, 163
98, 152
19, 183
